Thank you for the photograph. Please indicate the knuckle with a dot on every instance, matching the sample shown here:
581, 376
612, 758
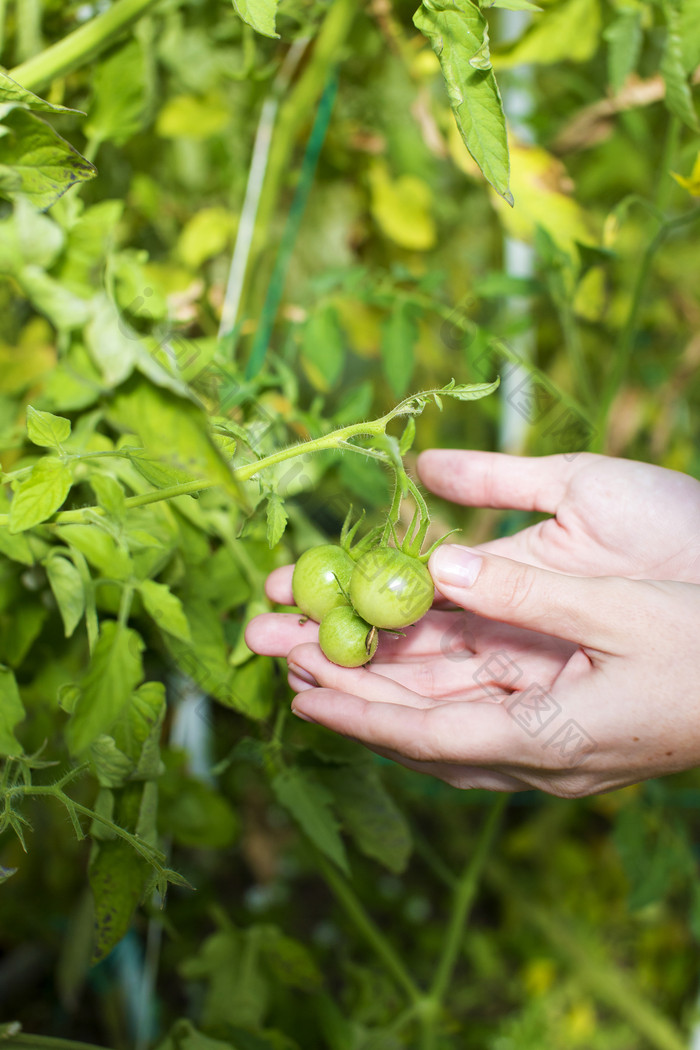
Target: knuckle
516, 588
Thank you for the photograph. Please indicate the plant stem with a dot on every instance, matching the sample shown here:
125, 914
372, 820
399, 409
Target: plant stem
29, 41
336, 439
27, 1041
3, 19
629, 332
80, 46
463, 898
366, 926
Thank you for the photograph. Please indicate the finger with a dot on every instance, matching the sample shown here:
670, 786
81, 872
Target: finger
359, 681
278, 585
594, 612
274, 634
457, 774
494, 479
471, 733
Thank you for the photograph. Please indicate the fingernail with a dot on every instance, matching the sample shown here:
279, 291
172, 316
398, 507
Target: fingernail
299, 672
455, 565
300, 714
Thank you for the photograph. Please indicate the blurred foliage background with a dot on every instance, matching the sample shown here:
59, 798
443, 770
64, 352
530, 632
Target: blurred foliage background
379, 263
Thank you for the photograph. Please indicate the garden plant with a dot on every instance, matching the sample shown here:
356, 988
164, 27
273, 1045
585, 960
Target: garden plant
252, 258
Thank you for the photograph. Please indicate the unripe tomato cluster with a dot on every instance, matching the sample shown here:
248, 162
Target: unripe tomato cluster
350, 599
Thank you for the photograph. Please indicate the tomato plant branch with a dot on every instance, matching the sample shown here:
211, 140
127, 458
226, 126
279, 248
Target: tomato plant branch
152, 856
463, 898
413, 405
366, 926
80, 46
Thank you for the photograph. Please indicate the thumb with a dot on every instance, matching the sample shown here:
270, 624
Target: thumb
591, 611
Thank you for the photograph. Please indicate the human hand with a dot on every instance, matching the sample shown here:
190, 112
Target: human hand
623, 707
610, 516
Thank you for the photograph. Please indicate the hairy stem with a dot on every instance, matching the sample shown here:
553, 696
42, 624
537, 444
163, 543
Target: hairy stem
82, 45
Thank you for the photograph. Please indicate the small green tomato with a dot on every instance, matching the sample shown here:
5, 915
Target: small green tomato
345, 638
391, 589
320, 577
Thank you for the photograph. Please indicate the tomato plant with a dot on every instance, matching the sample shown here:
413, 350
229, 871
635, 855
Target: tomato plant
233, 238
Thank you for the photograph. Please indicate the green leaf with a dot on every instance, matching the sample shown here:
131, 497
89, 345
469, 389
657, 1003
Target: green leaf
399, 335
291, 962
457, 32
407, 438
323, 348
41, 494
114, 672
173, 430
276, 520
117, 880
370, 815
28, 238
112, 767
12, 93
36, 163
120, 103
678, 97
184, 1036
68, 590
11, 713
624, 40
22, 630
260, 14
310, 805
471, 391
252, 690
63, 309
15, 547
193, 813
689, 32
109, 494
513, 5
166, 609
101, 550
137, 732
569, 31
45, 429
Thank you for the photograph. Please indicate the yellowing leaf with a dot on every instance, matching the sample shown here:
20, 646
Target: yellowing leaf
542, 190
692, 182
206, 234
569, 31
186, 116
402, 209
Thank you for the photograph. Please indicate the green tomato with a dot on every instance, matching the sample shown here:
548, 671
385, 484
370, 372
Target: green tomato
345, 638
390, 589
320, 577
